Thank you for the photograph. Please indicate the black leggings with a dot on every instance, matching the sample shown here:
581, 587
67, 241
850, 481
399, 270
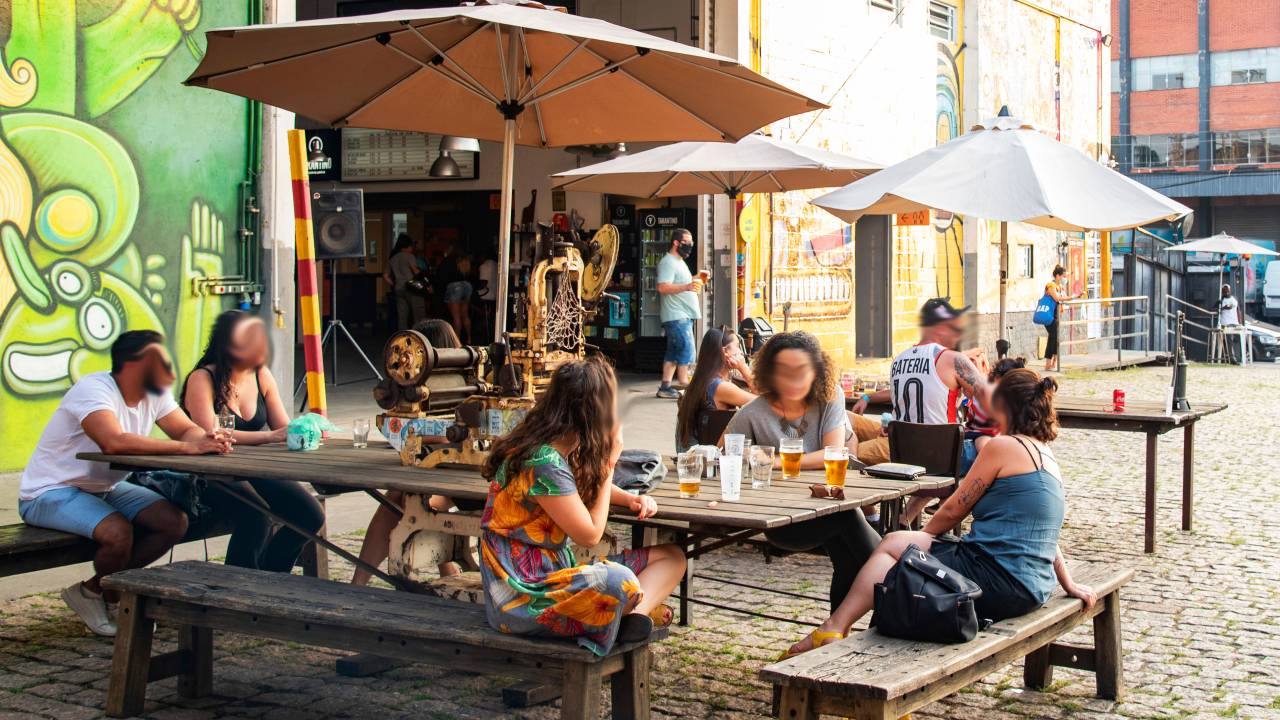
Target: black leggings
846, 536
1051, 347
252, 544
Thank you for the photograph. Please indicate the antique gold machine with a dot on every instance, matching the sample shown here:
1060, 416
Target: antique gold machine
485, 391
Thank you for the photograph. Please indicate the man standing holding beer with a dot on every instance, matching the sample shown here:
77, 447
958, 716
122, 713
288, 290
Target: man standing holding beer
678, 307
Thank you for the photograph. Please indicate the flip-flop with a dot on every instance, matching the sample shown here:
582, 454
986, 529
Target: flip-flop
662, 616
820, 638
634, 628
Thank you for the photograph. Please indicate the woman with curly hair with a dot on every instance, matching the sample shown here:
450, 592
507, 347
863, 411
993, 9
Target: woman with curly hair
551, 483
1014, 492
798, 399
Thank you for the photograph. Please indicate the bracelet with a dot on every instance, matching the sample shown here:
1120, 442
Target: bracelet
866, 398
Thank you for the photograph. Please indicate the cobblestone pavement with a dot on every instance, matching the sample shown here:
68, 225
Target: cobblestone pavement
1201, 620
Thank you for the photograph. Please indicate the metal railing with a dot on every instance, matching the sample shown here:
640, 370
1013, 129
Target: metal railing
1112, 313
1171, 307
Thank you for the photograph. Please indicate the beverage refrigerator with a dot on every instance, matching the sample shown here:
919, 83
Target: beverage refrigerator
654, 228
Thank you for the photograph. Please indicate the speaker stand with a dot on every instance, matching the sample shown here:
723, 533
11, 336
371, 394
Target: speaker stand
330, 338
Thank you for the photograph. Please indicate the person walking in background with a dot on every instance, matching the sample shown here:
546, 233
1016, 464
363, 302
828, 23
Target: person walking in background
232, 377
452, 276
401, 268
1055, 290
678, 308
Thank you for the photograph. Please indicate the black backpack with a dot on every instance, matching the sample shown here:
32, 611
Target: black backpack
922, 599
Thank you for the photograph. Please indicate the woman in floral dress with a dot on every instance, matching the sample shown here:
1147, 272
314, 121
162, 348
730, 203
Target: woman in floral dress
551, 484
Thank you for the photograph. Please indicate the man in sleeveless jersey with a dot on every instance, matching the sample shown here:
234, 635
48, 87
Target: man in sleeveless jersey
925, 383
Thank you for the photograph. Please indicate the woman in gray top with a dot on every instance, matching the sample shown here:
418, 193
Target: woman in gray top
402, 266
798, 399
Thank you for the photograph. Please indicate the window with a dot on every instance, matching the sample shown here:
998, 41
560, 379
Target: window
1027, 261
1115, 76
1246, 147
1244, 67
1161, 151
890, 5
942, 21
1167, 72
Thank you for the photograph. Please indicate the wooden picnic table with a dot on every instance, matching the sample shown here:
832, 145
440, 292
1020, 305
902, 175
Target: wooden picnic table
1150, 418
699, 526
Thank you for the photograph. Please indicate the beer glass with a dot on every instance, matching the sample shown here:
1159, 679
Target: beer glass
791, 450
835, 460
360, 433
689, 468
735, 444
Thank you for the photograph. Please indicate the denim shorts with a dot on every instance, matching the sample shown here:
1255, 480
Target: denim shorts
78, 512
458, 291
1003, 596
968, 455
679, 341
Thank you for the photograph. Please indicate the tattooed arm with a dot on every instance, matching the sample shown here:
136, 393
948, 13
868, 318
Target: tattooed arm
973, 383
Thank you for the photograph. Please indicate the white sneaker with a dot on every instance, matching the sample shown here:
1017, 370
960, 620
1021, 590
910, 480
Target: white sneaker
91, 608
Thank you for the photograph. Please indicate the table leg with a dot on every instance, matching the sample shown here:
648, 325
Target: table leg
1188, 473
686, 582
1149, 526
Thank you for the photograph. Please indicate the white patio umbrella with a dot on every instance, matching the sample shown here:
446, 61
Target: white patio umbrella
1223, 245
754, 164
517, 73
1003, 169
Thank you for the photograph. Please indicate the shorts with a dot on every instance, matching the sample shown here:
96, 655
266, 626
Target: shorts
1003, 596
679, 341
78, 512
458, 291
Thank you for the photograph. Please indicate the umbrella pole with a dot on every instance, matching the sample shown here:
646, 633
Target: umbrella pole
504, 228
1004, 272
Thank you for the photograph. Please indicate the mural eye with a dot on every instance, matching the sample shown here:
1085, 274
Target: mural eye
71, 281
100, 322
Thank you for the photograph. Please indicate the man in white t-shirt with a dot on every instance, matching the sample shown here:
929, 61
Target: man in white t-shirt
112, 412
1229, 317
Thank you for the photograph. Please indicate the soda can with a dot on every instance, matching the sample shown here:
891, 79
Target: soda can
1117, 400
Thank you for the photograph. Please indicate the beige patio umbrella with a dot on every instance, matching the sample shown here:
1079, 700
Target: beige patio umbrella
516, 73
1004, 169
754, 164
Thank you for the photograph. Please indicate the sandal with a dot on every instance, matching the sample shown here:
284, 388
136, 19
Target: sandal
662, 616
819, 637
634, 628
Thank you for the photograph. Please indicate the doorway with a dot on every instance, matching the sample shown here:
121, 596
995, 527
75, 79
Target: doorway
871, 308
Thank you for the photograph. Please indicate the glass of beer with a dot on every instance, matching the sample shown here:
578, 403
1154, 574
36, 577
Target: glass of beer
791, 449
835, 459
689, 468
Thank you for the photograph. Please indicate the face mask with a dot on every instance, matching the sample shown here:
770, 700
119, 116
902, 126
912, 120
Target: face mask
685, 249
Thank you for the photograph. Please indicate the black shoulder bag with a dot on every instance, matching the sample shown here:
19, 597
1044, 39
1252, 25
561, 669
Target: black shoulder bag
922, 599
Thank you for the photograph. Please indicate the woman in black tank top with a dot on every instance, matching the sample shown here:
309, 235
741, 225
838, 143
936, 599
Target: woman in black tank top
232, 376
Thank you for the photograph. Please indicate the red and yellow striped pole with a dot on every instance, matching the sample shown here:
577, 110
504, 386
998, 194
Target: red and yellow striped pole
308, 289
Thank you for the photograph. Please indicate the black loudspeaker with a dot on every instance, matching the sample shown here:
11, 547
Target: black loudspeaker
338, 216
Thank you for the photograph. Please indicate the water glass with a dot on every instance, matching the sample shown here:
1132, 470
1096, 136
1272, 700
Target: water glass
689, 468
735, 444
731, 478
791, 449
847, 381
761, 466
360, 433
226, 422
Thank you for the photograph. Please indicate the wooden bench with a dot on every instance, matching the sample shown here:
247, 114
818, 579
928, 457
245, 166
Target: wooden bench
201, 597
868, 675
26, 548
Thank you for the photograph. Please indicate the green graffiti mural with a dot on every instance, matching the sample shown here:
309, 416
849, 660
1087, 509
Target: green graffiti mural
116, 184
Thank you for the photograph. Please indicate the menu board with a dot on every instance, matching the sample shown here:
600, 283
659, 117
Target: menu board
396, 155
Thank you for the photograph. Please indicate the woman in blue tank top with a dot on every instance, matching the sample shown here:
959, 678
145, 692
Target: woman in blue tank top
1014, 492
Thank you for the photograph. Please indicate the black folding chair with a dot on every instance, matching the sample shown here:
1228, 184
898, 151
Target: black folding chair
711, 425
936, 448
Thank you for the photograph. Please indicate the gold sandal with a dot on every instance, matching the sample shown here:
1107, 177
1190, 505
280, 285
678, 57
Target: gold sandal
819, 637
662, 616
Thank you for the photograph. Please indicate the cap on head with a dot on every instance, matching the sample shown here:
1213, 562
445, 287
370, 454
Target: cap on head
939, 310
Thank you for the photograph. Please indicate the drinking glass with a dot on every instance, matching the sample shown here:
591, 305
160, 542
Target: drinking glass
730, 478
791, 449
847, 380
226, 422
761, 466
360, 433
735, 444
689, 467
709, 455
835, 460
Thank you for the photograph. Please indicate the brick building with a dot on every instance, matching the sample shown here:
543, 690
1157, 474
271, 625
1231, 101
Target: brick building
1196, 110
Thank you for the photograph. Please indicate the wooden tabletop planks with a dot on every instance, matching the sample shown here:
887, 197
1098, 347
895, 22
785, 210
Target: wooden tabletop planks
378, 468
